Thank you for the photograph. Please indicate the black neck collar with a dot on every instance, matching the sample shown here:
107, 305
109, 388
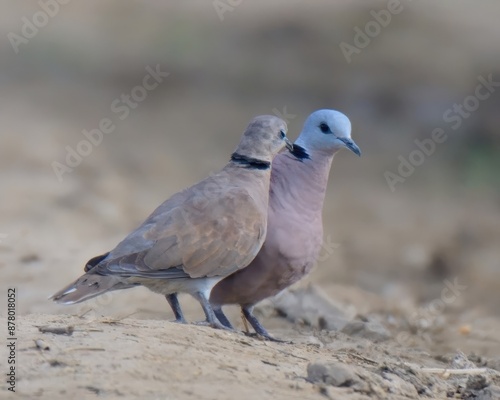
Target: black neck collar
250, 162
300, 153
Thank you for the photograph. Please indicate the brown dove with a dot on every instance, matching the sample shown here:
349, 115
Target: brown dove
295, 228
198, 236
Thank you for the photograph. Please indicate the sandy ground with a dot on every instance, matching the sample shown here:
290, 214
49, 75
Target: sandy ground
407, 284
148, 359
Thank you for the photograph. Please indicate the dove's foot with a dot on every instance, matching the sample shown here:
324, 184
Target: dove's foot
260, 331
222, 318
211, 319
267, 337
214, 324
176, 308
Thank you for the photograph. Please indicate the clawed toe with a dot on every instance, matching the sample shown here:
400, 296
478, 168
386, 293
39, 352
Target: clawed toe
266, 336
214, 324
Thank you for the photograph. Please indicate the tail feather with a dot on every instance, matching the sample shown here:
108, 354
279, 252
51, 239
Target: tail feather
88, 286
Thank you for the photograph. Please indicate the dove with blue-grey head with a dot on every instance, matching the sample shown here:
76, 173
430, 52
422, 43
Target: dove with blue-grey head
295, 226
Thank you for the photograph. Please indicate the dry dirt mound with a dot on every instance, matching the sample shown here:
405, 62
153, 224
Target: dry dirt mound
147, 359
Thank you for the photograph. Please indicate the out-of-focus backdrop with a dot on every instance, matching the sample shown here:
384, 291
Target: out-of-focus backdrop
420, 81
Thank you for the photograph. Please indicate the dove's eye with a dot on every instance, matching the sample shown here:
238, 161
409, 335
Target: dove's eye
282, 134
324, 128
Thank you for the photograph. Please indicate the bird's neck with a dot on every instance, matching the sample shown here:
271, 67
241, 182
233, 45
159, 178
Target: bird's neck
305, 180
251, 174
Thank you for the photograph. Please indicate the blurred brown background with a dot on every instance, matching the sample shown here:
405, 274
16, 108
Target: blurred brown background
442, 223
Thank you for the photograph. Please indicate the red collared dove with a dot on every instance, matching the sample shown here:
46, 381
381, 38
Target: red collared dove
198, 236
295, 227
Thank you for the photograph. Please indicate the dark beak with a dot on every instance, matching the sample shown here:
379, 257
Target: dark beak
351, 146
289, 145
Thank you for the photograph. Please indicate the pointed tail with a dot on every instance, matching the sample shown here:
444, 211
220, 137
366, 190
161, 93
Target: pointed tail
88, 286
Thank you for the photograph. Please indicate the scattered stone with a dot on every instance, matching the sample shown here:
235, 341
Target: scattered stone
494, 364
465, 330
461, 361
396, 385
311, 307
66, 330
347, 376
479, 388
334, 374
490, 393
477, 382
309, 340
57, 363
478, 360
371, 330
29, 258
41, 345
426, 385
94, 390
402, 381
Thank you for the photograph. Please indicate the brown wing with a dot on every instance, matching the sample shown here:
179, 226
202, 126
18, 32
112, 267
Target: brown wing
210, 233
216, 237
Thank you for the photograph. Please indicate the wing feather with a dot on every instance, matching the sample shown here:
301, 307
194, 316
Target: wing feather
211, 230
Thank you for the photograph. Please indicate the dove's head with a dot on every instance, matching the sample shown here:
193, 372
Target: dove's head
327, 131
264, 137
